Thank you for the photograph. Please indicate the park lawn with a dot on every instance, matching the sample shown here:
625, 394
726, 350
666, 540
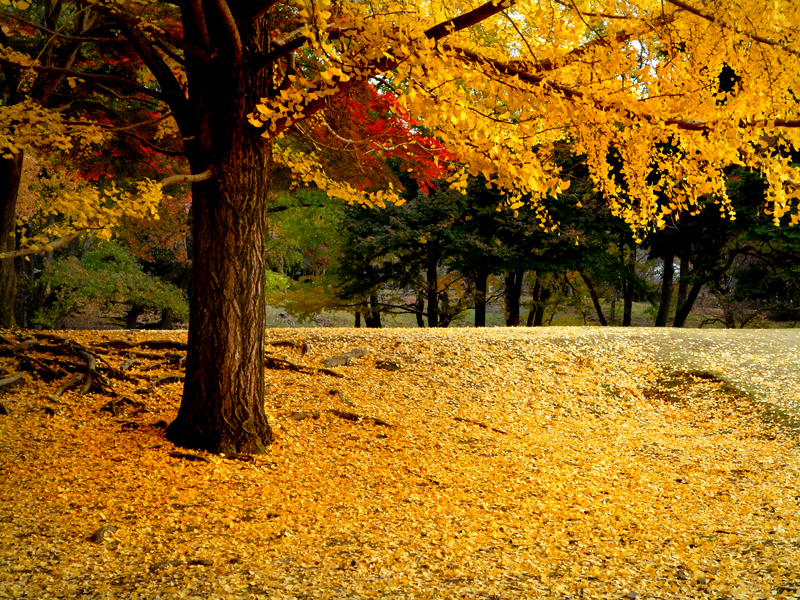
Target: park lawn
505, 463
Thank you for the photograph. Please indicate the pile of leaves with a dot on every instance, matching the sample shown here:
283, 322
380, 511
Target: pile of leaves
432, 463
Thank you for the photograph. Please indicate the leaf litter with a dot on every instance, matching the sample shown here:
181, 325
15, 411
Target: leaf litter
510, 463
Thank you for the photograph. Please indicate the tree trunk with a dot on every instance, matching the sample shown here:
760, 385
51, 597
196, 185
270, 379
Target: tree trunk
10, 173
627, 311
222, 409
420, 307
481, 280
357, 324
167, 319
666, 291
372, 317
683, 280
132, 316
538, 319
513, 283
595, 299
535, 296
683, 311
432, 293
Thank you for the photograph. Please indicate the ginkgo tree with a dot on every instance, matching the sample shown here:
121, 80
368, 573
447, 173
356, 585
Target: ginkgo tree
633, 84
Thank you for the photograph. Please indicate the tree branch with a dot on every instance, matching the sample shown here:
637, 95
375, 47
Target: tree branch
151, 145
69, 38
109, 79
468, 19
713, 19
232, 29
173, 92
200, 22
261, 8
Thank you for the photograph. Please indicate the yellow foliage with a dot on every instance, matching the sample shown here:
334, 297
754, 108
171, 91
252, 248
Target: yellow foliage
643, 85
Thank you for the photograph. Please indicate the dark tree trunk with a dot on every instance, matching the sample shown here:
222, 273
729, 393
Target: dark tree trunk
357, 324
538, 319
683, 279
666, 291
686, 308
433, 293
10, 172
167, 319
627, 288
420, 308
132, 316
595, 299
372, 318
481, 280
222, 409
535, 297
513, 283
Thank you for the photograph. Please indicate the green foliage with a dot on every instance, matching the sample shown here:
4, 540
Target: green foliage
108, 277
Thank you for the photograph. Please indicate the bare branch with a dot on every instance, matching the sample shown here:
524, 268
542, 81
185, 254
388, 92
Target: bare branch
93, 77
151, 145
69, 38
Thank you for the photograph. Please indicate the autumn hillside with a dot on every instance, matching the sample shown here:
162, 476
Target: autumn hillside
468, 463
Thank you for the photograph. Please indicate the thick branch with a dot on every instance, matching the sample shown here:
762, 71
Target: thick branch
233, 31
468, 19
173, 93
200, 22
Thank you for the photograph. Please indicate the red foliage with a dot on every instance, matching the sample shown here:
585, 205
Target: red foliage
364, 128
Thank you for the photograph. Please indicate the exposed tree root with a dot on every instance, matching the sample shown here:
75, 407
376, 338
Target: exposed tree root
342, 414
271, 362
479, 424
13, 379
189, 456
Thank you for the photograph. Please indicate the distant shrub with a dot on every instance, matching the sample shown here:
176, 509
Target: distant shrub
109, 278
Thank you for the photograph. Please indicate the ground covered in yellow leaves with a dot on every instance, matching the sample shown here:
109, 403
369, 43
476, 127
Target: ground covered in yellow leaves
554, 463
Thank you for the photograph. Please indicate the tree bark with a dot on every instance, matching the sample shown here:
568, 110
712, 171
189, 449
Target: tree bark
538, 319
481, 280
372, 317
627, 287
535, 295
683, 311
132, 316
357, 324
595, 299
433, 293
420, 307
513, 283
666, 291
10, 174
222, 409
